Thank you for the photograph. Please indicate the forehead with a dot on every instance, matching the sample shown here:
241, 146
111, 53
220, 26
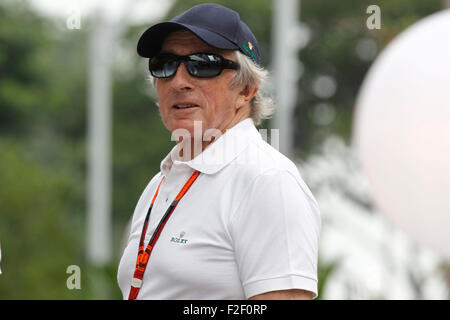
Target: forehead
185, 42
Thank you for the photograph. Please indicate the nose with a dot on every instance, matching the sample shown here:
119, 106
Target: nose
182, 80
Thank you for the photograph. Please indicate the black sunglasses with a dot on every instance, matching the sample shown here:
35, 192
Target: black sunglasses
200, 65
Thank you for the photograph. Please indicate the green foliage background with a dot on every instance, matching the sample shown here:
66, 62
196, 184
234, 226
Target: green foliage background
43, 95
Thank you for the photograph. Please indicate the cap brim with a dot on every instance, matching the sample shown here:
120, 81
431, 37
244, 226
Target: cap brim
151, 40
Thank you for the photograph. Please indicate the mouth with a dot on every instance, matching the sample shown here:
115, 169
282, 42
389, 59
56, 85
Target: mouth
185, 106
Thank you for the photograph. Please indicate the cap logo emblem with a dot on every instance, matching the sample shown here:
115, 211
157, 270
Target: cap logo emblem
249, 49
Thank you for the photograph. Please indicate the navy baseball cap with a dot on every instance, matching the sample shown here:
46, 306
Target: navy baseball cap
220, 27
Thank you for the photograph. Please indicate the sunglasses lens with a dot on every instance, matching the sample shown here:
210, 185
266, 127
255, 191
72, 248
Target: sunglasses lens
200, 65
163, 67
203, 65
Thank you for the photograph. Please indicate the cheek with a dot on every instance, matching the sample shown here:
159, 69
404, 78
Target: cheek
162, 99
222, 96
219, 104
226, 100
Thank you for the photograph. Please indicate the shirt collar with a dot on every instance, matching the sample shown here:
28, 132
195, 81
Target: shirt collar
219, 153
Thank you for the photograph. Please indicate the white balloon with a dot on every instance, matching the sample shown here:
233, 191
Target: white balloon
402, 131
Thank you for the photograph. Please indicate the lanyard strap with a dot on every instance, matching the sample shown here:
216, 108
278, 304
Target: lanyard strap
144, 255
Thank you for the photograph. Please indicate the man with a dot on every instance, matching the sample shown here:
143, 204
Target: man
228, 216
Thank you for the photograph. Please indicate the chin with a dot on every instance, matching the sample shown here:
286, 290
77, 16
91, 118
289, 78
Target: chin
179, 127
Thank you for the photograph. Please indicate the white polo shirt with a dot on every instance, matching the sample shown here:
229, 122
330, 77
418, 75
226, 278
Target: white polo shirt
248, 225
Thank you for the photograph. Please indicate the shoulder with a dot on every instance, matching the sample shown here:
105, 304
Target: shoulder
261, 164
152, 184
145, 197
259, 156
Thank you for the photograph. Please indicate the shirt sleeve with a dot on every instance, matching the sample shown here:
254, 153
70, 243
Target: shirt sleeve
275, 233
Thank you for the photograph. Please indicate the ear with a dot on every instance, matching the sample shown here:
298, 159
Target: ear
246, 95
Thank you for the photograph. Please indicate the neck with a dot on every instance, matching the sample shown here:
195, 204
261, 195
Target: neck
190, 147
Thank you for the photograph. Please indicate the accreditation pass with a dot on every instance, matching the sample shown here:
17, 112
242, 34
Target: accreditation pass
229, 309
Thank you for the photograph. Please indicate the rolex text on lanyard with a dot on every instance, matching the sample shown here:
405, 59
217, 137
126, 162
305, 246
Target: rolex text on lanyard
144, 255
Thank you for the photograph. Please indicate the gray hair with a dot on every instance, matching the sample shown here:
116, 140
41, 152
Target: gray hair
262, 105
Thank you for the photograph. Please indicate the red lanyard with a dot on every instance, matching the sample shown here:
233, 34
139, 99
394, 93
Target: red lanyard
143, 256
